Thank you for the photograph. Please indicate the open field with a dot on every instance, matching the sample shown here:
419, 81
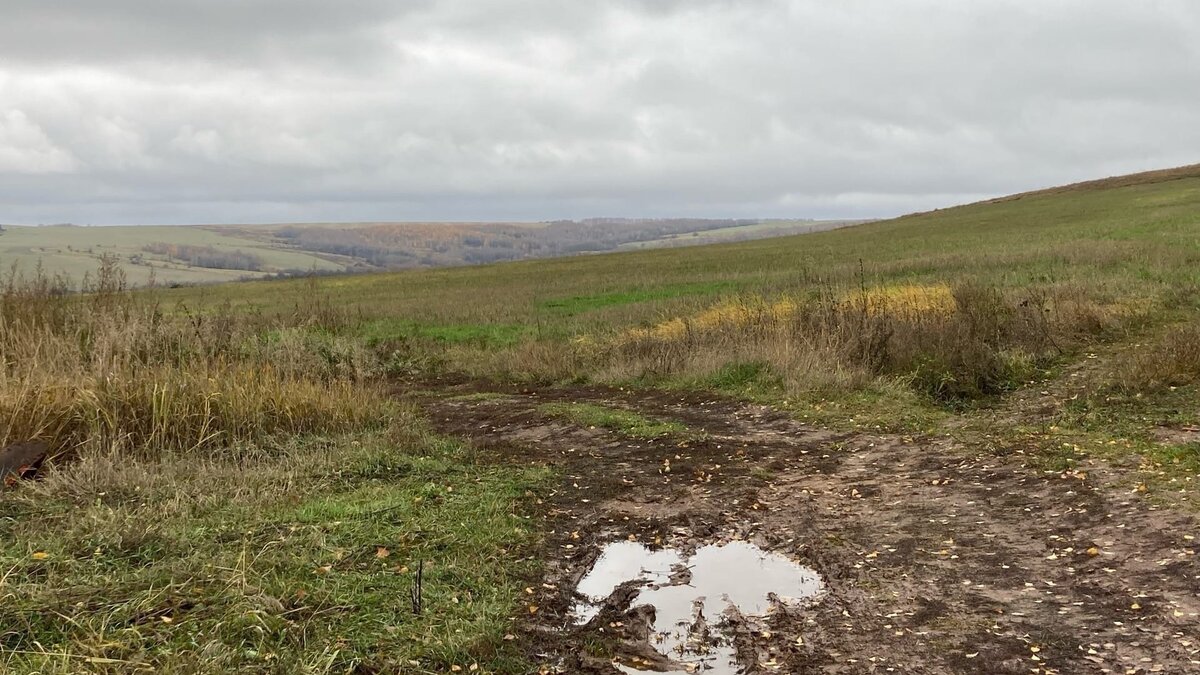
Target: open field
979, 426
770, 228
188, 255
75, 251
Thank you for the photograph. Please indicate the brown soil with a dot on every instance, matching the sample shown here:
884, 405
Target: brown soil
936, 560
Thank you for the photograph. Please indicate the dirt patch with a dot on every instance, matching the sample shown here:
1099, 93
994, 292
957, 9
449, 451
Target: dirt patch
933, 559
1176, 435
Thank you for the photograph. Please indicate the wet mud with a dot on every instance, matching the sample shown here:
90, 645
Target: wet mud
930, 559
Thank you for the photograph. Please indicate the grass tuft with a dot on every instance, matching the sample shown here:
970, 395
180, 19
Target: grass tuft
624, 422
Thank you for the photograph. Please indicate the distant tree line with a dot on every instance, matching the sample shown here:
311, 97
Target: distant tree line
208, 256
399, 245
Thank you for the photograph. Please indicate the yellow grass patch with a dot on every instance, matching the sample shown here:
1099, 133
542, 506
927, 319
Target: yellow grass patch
904, 300
901, 300
731, 315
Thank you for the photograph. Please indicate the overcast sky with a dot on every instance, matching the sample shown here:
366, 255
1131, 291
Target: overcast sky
195, 111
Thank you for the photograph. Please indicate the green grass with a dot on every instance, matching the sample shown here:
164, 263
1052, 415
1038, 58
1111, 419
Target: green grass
1136, 242
302, 562
585, 303
768, 228
752, 378
384, 331
624, 422
1181, 458
1129, 246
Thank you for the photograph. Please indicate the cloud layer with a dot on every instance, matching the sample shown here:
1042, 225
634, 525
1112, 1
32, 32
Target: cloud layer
253, 110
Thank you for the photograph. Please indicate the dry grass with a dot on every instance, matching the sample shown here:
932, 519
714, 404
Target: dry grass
1172, 361
104, 372
236, 492
951, 343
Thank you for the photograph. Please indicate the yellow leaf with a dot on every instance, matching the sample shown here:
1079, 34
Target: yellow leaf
381, 552
40, 555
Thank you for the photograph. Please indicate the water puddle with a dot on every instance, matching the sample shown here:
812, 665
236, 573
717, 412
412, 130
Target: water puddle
620, 562
694, 598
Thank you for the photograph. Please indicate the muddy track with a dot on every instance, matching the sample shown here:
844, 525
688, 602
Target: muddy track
935, 560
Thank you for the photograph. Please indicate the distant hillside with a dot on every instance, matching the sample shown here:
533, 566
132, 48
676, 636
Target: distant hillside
211, 253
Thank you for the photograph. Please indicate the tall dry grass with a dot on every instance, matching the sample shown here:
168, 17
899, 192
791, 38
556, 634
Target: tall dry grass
99, 369
1172, 360
951, 343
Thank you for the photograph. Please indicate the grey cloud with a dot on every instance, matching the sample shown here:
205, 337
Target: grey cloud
223, 111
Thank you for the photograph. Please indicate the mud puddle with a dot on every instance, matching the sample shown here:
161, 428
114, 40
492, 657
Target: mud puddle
696, 599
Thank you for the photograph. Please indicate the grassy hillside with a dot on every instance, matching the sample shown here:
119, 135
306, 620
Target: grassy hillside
1134, 245
238, 483
896, 323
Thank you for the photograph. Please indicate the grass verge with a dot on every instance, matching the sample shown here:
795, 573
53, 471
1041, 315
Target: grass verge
297, 562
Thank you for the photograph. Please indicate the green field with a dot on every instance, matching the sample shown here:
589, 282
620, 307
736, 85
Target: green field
240, 477
75, 251
1132, 244
775, 228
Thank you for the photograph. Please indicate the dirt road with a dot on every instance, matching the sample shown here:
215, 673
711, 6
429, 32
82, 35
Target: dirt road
934, 560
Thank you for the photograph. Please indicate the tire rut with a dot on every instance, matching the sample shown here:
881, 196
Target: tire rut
935, 560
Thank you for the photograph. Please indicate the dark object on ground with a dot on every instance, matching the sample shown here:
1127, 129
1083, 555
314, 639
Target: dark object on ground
20, 461
418, 588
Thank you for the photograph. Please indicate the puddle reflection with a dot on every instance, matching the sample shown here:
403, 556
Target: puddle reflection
690, 597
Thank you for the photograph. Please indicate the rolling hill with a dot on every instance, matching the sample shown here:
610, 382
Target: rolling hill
211, 254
